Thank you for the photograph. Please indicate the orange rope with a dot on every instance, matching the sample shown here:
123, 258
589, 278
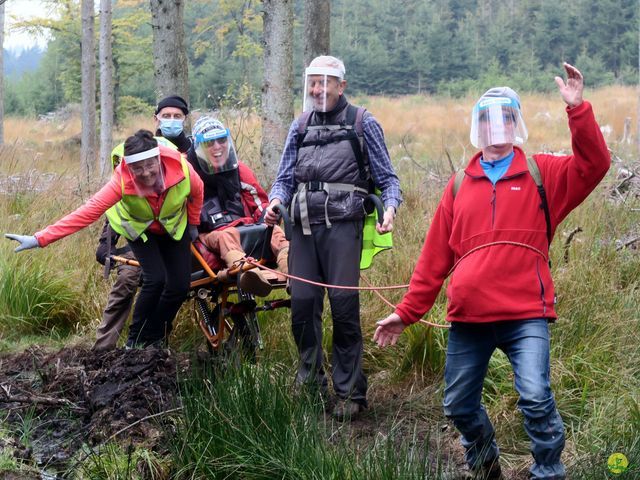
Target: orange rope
320, 284
426, 322
369, 288
376, 290
499, 242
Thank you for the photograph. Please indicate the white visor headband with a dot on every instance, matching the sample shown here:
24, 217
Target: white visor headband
332, 72
136, 157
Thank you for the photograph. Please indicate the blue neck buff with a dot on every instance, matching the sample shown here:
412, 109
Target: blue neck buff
496, 170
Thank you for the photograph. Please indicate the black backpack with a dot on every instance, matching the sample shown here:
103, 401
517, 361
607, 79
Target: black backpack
355, 135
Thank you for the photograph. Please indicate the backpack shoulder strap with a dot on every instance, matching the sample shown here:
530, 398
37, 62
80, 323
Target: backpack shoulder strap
356, 121
534, 171
354, 118
303, 123
457, 181
532, 165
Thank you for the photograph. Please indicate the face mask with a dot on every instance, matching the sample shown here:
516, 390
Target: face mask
171, 127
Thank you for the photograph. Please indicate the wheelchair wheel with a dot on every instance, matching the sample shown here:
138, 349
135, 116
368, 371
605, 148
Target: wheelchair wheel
243, 335
241, 340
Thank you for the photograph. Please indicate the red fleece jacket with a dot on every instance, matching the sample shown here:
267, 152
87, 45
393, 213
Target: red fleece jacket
504, 281
111, 194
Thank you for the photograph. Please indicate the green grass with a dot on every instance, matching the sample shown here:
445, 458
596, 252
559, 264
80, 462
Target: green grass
114, 462
249, 423
32, 300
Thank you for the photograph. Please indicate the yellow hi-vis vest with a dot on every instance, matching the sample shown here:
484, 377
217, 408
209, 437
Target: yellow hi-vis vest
132, 215
373, 242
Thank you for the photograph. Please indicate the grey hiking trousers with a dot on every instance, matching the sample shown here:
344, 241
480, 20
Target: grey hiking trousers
119, 304
331, 256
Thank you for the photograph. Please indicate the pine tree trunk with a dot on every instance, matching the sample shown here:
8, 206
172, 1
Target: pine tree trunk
317, 29
171, 73
2, 74
277, 96
88, 67
106, 88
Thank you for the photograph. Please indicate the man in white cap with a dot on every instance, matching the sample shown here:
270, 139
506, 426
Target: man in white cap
334, 154
495, 238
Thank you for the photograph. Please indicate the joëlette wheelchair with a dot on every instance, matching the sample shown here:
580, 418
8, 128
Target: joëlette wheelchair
228, 324
227, 315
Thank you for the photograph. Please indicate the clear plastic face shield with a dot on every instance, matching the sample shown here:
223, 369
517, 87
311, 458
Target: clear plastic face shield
322, 88
215, 151
497, 121
146, 171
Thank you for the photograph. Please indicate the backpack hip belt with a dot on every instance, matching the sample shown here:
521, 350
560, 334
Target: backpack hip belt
315, 186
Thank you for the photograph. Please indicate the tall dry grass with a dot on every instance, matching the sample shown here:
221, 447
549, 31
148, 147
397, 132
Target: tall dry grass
596, 359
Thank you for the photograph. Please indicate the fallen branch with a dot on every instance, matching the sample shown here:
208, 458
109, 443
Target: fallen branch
403, 142
567, 242
56, 402
628, 243
148, 417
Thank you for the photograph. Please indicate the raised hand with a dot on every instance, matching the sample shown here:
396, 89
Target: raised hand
571, 91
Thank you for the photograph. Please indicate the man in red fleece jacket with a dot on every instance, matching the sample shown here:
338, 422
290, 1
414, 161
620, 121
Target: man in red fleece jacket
492, 236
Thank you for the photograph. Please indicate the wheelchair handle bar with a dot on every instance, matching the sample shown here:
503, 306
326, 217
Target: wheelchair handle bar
371, 202
282, 213
281, 210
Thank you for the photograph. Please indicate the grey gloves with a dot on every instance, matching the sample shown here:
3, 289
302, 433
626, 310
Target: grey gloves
26, 241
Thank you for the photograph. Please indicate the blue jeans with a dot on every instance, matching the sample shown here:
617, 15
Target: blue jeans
526, 344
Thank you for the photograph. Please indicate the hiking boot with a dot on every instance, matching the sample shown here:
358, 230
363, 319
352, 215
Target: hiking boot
346, 410
489, 471
253, 281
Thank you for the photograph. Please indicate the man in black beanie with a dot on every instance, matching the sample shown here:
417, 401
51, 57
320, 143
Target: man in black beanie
169, 117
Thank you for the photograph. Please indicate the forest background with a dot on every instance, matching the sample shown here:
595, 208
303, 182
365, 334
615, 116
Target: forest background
444, 47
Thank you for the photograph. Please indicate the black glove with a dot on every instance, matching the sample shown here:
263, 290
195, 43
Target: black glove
193, 232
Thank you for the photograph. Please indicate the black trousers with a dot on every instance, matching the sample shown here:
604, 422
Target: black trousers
332, 256
166, 273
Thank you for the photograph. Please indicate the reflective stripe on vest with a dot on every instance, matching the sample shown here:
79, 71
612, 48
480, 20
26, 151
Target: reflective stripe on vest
132, 215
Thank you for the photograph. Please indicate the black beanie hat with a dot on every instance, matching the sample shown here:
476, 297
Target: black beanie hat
173, 101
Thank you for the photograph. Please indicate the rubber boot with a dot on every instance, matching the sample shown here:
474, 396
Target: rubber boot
251, 281
282, 260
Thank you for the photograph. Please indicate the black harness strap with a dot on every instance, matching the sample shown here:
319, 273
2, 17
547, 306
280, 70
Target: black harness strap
354, 133
354, 117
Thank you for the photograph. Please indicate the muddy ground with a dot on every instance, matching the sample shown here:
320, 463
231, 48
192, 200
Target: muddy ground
75, 397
